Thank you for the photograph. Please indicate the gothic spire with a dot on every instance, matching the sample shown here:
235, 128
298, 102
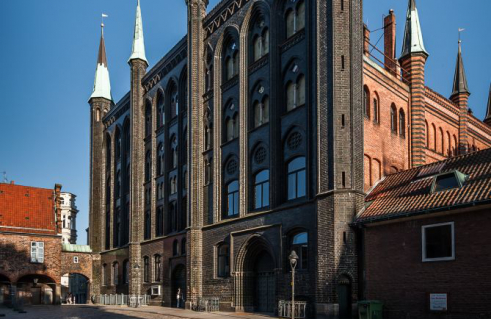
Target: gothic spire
138, 50
488, 112
460, 80
102, 84
413, 37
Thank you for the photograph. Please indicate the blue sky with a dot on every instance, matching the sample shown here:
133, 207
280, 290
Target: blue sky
49, 51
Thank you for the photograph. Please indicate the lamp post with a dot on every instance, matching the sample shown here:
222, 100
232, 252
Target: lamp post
293, 263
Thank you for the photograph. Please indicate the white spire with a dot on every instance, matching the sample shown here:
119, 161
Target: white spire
138, 51
102, 84
413, 37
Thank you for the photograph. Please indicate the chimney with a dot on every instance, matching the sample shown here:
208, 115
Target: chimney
390, 43
366, 43
12, 183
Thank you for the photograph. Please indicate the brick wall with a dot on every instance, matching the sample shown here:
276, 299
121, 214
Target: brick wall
396, 275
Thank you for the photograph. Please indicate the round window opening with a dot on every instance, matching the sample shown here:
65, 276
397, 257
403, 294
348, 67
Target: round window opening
232, 167
294, 141
260, 155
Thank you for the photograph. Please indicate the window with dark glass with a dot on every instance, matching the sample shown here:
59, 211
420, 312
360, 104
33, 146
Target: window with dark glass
183, 246
157, 267
148, 119
300, 244
375, 111
117, 189
160, 159
261, 112
147, 166
175, 248
261, 189
259, 36
174, 102
366, 101
295, 93
147, 225
125, 271
115, 274
160, 110
233, 198
393, 118
146, 269
438, 242
174, 151
105, 278
296, 178
295, 19
402, 125
160, 221
223, 262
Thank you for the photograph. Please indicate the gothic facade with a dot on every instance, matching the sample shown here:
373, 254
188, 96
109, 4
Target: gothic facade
243, 143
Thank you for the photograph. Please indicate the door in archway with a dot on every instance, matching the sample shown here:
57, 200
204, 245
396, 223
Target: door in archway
178, 281
265, 283
344, 299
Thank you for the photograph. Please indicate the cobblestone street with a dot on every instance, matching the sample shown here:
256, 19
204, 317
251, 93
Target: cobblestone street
112, 312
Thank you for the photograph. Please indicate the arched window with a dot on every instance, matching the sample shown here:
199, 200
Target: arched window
393, 119
366, 101
375, 110
174, 102
157, 259
259, 36
261, 112
148, 119
456, 149
172, 217
290, 96
235, 122
126, 270
295, 93
174, 151
115, 273
160, 110
146, 233
261, 189
175, 248
230, 57
104, 278
402, 123
117, 142
295, 19
160, 159
449, 145
299, 242
160, 221
117, 188
147, 166
146, 269
223, 261
230, 68
183, 246
300, 90
233, 198
442, 139
296, 178
434, 137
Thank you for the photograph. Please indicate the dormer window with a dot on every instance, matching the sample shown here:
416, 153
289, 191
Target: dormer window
449, 180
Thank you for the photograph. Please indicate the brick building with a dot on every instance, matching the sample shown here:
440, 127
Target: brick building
32, 259
200, 172
425, 233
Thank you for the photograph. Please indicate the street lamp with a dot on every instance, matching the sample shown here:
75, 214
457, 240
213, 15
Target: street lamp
293, 263
137, 269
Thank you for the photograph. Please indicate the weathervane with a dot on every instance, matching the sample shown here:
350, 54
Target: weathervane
102, 19
460, 32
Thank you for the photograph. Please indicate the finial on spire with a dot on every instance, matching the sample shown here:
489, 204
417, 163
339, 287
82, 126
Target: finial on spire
460, 79
138, 49
102, 84
413, 36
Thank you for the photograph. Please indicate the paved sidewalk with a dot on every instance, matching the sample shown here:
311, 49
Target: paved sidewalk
114, 312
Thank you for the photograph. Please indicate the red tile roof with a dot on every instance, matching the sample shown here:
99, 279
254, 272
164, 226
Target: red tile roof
409, 192
27, 209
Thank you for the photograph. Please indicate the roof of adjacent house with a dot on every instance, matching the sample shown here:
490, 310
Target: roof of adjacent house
412, 192
27, 209
76, 248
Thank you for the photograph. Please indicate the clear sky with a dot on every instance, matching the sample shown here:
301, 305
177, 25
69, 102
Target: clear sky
49, 50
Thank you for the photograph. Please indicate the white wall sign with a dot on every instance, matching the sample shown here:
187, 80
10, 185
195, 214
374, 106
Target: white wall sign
438, 302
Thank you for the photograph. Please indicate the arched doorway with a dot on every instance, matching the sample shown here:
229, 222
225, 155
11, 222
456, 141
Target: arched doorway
4, 290
178, 282
255, 277
74, 288
36, 290
344, 297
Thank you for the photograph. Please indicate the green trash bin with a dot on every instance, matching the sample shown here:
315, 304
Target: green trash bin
370, 309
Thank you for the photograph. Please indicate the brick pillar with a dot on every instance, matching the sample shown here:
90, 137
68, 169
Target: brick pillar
414, 75
138, 70
461, 100
57, 200
390, 62
196, 13
366, 42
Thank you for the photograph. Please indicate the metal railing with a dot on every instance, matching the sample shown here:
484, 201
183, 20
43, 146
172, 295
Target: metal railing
206, 304
285, 309
123, 300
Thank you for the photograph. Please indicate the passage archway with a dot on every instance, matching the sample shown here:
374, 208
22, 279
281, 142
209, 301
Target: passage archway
344, 297
74, 288
36, 290
178, 282
255, 277
4, 289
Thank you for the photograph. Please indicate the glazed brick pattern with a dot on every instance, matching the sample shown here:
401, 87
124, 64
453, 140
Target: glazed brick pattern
27, 209
15, 256
396, 275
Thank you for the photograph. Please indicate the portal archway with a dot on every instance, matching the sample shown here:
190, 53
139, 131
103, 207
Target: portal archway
75, 288
36, 289
178, 282
255, 277
4, 290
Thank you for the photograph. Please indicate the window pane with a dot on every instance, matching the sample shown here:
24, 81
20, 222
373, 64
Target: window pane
262, 176
265, 194
290, 96
300, 16
301, 188
296, 164
257, 114
230, 130
265, 110
301, 90
438, 241
236, 203
266, 42
257, 196
290, 29
230, 204
301, 238
257, 48
292, 186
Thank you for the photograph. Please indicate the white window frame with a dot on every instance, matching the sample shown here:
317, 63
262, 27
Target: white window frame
423, 242
75, 259
37, 252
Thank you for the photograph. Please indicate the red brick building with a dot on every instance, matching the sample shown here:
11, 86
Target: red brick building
32, 261
425, 234
407, 123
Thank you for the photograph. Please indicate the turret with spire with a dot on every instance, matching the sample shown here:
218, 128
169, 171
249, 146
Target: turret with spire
413, 61
102, 84
460, 96
138, 64
487, 119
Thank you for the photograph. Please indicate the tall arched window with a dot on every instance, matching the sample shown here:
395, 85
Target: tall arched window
117, 188
115, 273
261, 189
183, 246
296, 178
295, 18
146, 232
104, 275
393, 119
108, 153
223, 261
157, 259
147, 166
299, 242
375, 110
402, 123
148, 118
126, 270
159, 222
259, 36
456, 149
449, 145
366, 101
146, 269
295, 93
261, 112
175, 248
160, 110
174, 102
233, 199
434, 137
235, 122
230, 58
117, 142
442, 139
174, 151
160, 159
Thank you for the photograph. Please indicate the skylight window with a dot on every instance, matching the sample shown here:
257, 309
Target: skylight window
449, 181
